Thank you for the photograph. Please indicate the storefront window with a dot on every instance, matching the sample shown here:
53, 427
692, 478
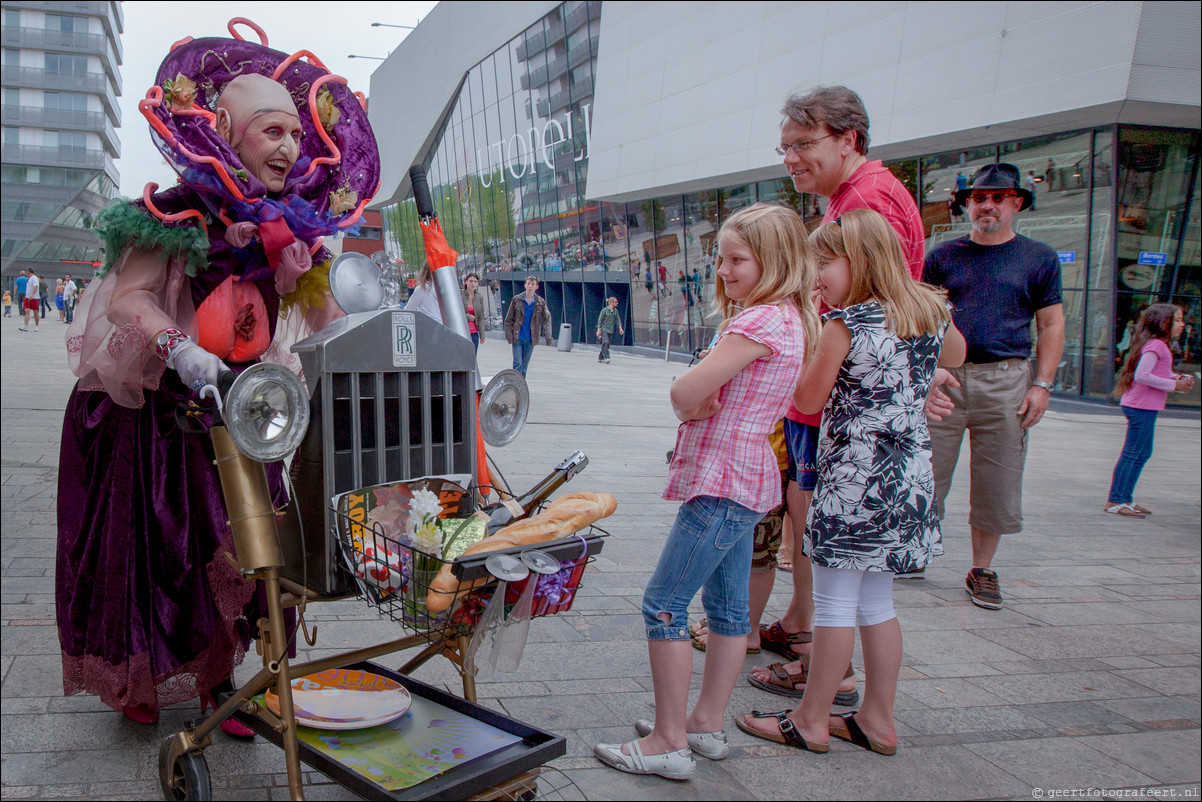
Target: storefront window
941, 175
1156, 259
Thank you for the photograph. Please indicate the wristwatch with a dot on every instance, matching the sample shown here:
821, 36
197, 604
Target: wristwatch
1049, 386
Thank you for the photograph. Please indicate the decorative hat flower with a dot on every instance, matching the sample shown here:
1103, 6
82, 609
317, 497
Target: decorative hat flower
343, 200
327, 110
180, 92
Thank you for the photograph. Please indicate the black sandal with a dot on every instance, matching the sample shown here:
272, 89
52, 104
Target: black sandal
853, 734
789, 736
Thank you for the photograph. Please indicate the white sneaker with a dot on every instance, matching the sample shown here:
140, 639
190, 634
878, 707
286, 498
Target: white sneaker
678, 765
711, 745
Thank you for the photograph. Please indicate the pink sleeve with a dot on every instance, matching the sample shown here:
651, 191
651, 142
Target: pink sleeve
143, 294
1143, 372
761, 324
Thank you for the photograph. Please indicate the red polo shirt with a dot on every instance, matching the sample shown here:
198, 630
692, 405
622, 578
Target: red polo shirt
872, 186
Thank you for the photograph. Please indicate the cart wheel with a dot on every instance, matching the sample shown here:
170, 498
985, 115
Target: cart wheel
187, 778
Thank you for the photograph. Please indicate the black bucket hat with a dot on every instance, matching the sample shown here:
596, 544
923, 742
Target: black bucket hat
997, 176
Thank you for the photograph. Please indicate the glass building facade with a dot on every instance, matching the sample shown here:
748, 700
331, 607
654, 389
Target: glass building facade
1119, 204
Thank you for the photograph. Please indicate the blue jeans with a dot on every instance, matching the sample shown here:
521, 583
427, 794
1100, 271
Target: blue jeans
522, 351
476, 341
708, 549
1137, 449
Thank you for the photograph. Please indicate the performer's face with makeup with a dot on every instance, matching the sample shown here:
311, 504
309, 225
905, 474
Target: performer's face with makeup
257, 117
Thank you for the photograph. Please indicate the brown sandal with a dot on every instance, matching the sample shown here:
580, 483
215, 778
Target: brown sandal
787, 734
784, 683
776, 639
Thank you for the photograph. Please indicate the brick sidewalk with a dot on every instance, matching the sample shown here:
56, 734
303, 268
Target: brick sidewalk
1088, 678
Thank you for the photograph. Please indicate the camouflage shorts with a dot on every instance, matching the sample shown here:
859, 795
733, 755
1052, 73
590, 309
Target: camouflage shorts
768, 534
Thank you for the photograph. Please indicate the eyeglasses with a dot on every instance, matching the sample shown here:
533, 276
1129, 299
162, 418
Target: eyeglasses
800, 147
997, 197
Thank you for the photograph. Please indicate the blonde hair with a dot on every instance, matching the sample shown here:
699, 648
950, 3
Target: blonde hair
777, 239
878, 272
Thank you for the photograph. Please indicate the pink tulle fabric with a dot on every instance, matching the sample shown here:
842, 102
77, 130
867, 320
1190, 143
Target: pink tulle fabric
108, 344
295, 326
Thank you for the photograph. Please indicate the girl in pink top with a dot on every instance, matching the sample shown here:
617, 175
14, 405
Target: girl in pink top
1148, 379
726, 474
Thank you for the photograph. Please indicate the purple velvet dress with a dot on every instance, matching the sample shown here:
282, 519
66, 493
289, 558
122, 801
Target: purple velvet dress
150, 611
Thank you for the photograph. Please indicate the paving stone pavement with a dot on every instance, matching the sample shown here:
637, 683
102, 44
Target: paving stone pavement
1089, 678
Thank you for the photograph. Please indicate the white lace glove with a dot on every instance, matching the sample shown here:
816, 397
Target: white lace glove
196, 366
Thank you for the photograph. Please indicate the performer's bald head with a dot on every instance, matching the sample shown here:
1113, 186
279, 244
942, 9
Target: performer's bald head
258, 117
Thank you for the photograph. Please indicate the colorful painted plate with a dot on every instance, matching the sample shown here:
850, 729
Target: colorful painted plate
343, 699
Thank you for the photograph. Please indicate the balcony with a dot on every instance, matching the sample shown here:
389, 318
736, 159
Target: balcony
90, 82
583, 51
533, 45
580, 15
90, 44
40, 156
37, 117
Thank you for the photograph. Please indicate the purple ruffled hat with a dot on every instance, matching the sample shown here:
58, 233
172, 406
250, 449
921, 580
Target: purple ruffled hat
337, 172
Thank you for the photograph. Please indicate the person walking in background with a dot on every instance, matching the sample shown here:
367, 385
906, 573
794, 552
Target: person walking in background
44, 289
998, 282
476, 308
607, 321
70, 294
526, 318
873, 514
8, 304
728, 404
1029, 185
1145, 383
59, 302
22, 281
33, 302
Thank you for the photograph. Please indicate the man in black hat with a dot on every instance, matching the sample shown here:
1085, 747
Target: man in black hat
998, 282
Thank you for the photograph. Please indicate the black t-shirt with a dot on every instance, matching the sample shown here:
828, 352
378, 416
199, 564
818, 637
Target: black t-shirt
995, 291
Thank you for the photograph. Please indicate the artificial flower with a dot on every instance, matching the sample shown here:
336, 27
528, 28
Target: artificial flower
343, 200
327, 109
180, 92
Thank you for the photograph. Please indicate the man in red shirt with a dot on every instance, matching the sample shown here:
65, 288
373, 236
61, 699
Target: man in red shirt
824, 143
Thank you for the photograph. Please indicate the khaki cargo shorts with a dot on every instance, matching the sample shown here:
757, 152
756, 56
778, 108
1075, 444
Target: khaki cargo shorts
987, 403
769, 533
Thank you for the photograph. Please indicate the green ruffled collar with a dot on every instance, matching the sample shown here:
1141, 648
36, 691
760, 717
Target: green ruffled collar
124, 225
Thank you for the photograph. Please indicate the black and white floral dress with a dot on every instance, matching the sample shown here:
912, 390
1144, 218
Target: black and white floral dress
874, 506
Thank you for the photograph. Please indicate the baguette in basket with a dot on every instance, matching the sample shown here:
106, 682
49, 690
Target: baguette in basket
563, 517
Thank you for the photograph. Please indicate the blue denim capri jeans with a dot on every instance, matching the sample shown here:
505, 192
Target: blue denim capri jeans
708, 549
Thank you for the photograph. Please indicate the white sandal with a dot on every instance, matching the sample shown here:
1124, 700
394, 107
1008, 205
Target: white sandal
1126, 510
678, 765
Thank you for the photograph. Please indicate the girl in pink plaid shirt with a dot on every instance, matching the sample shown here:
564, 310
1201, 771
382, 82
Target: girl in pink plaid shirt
726, 474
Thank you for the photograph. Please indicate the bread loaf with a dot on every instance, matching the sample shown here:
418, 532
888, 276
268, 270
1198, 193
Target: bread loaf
562, 518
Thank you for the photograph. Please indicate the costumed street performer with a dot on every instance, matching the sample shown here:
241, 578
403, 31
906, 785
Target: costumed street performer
273, 153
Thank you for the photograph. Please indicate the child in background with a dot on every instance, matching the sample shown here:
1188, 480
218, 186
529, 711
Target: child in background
8, 304
1146, 381
724, 472
873, 513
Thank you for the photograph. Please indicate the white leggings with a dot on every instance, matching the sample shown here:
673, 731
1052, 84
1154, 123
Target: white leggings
847, 598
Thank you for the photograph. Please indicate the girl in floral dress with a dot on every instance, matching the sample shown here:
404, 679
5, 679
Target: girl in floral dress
873, 513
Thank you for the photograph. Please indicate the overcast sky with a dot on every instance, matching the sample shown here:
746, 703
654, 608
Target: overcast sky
152, 27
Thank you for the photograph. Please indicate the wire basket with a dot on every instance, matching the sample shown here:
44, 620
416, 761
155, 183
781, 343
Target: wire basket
403, 581
544, 782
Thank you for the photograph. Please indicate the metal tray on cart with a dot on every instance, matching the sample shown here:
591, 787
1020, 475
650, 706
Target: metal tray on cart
458, 782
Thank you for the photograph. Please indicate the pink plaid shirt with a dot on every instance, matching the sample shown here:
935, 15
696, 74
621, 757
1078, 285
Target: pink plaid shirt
728, 455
